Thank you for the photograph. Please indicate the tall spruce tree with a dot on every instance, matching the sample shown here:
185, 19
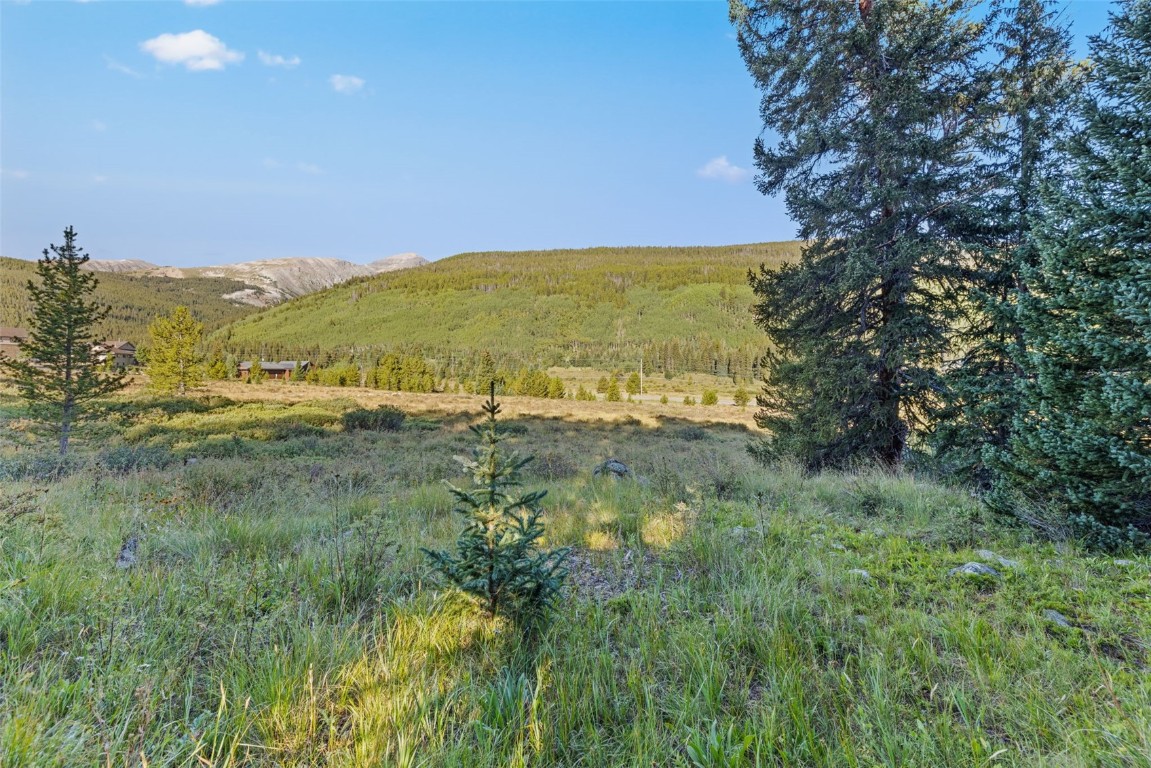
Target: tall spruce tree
174, 362
57, 373
1082, 439
1033, 89
878, 105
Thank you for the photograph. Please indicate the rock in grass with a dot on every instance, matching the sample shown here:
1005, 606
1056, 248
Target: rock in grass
127, 557
613, 468
974, 569
862, 574
1123, 562
1055, 617
988, 556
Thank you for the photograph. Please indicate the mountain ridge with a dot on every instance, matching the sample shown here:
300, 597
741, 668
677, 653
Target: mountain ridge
268, 281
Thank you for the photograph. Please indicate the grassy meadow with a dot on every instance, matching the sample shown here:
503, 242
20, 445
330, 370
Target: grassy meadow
276, 609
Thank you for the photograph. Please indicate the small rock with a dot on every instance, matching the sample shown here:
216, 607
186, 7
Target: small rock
837, 546
1055, 617
991, 557
613, 467
1124, 562
127, 557
861, 620
862, 574
974, 569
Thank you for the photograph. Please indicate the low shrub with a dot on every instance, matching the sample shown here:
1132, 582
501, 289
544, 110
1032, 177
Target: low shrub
123, 459
39, 466
385, 418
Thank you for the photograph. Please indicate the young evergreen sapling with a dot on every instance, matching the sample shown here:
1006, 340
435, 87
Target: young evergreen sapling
498, 561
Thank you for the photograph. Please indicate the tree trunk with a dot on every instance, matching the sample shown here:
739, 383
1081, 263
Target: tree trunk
65, 424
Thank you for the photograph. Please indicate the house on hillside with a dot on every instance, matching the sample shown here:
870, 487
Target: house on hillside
285, 369
10, 340
121, 354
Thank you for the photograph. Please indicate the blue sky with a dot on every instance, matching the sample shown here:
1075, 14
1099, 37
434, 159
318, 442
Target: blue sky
188, 133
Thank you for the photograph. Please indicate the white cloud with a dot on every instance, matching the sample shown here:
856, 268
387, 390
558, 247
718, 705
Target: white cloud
98, 125
98, 179
200, 2
311, 168
346, 83
719, 168
116, 66
196, 50
14, 173
276, 60
271, 163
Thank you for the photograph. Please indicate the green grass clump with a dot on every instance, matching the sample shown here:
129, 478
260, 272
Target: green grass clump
279, 612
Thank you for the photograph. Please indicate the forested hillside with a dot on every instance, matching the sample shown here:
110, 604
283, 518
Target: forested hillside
682, 309
135, 300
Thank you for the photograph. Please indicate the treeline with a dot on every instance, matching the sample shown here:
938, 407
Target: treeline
135, 300
975, 291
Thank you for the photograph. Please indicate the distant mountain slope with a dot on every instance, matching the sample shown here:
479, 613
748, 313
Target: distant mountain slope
135, 299
574, 306
270, 281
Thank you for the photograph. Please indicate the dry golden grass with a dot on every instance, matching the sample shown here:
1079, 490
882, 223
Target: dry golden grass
648, 412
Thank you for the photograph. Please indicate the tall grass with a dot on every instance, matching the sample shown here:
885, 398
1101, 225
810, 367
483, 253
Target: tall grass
279, 613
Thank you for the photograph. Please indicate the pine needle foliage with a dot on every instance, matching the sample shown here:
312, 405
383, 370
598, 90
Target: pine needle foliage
498, 559
1081, 443
57, 374
1034, 81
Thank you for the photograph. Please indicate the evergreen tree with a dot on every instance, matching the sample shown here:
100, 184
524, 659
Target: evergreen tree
58, 374
613, 394
1032, 95
1082, 439
877, 107
174, 361
632, 385
498, 561
256, 374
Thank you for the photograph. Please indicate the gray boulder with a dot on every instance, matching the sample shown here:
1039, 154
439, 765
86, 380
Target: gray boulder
612, 468
988, 556
1055, 617
974, 569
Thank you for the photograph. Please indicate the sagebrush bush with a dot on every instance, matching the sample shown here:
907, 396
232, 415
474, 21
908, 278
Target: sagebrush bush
382, 419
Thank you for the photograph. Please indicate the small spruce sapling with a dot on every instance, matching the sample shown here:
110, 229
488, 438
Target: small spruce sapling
498, 561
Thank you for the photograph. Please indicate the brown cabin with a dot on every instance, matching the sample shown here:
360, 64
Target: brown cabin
122, 354
10, 340
285, 369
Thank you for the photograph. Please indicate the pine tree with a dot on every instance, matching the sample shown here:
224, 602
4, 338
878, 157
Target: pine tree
498, 561
877, 107
632, 385
613, 394
58, 374
174, 362
1033, 91
1082, 440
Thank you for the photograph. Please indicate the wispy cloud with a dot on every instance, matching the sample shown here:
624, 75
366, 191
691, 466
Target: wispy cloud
276, 60
98, 125
196, 50
311, 168
200, 2
99, 179
271, 163
720, 169
346, 83
116, 66
14, 173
